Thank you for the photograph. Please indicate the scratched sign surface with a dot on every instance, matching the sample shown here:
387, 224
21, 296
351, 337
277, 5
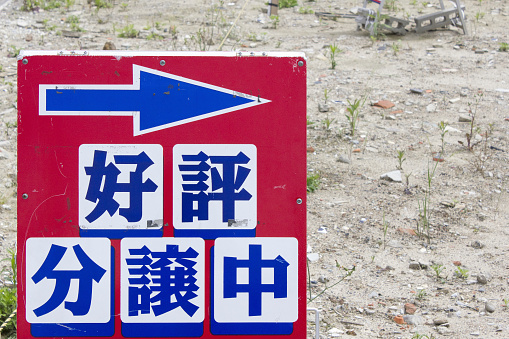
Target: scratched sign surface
161, 195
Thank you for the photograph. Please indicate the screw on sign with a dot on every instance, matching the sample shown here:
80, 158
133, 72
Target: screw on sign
162, 195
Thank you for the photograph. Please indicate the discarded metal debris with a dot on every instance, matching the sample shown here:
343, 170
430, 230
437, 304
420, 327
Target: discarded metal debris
375, 22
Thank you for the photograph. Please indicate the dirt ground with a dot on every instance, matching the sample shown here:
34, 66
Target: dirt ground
442, 272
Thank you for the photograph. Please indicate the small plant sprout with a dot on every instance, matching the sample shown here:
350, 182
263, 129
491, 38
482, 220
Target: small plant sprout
423, 336
438, 269
313, 182
327, 122
333, 51
396, 47
352, 114
421, 294
128, 31
504, 47
325, 96
287, 3
461, 273
401, 160
274, 21
391, 5
472, 108
479, 15
506, 302
424, 222
443, 131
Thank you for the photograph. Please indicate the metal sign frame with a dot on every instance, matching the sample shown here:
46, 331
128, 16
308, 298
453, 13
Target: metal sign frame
161, 194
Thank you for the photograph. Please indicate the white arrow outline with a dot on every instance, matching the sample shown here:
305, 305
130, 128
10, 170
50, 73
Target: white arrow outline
136, 86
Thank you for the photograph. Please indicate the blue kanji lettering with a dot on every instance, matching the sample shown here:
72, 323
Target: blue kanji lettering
254, 288
89, 272
230, 183
171, 286
106, 176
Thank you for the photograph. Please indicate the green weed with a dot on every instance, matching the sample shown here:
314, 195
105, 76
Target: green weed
401, 160
438, 269
349, 272
423, 336
352, 114
396, 47
504, 47
423, 222
376, 27
103, 4
479, 16
461, 273
313, 182
13, 51
287, 3
128, 31
472, 109
30, 5
274, 21
8, 299
391, 5
333, 51
155, 36
74, 21
443, 131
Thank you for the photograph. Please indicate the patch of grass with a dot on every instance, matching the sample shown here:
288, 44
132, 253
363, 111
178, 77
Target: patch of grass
375, 29
313, 182
74, 21
155, 36
30, 5
8, 299
103, 4
69, 4
128, 31
504, 47
287, 3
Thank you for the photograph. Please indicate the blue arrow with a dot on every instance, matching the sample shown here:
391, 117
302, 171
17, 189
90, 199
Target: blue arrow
156, 100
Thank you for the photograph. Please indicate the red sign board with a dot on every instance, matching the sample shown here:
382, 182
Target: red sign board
161, 195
